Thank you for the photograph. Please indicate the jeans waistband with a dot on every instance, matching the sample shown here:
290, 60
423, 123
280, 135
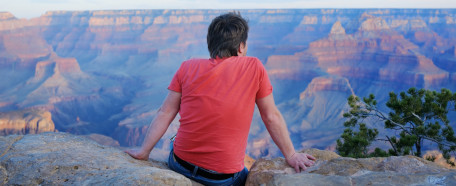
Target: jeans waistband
201, 171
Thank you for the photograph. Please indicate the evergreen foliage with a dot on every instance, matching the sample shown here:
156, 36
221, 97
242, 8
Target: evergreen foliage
416, 115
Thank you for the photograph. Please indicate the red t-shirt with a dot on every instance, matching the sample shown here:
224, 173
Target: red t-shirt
217, 104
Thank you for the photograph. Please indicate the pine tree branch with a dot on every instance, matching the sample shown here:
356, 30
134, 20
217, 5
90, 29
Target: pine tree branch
392, 145
448, 144
418, 117
381, 116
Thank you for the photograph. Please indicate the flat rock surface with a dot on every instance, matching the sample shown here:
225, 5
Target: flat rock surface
331, 169
65, 159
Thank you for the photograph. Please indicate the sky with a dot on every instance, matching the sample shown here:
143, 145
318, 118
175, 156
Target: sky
35, 8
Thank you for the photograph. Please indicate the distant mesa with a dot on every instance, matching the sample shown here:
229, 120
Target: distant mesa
338, 33
309, 20
365, 16
372, 23
57, 65
337, 29
329, 83
28, 121
418, 24
374, 27
421, 71
6, 16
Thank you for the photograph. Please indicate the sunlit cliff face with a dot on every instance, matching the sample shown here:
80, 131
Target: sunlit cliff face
106, 72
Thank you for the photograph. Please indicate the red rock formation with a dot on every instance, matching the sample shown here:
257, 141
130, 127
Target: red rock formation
337, 29
25, 45
421, 71
44, 68
6, 16
354, 56
26, 122
284, 67
327, 84
57, 64
17, 24
131, 136
67, 65
119, 50
373, 24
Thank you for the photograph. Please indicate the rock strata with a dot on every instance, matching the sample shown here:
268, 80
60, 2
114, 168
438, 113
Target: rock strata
29, 121
105, 71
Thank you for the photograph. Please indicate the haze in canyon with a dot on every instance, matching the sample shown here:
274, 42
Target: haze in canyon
103, 74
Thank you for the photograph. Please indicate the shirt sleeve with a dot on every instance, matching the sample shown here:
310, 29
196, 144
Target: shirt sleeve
265, 87
176, 82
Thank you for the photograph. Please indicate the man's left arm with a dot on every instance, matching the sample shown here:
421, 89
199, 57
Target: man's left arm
277, 128
158, 126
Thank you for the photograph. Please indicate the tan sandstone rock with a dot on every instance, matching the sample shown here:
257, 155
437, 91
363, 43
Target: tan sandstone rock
28, 121
330, 169
64, 159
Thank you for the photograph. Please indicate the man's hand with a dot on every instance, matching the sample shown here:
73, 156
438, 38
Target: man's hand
137, 154
274, 122
300, 161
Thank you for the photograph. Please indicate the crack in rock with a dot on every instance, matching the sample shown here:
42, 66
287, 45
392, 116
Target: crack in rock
9, 147
5, 173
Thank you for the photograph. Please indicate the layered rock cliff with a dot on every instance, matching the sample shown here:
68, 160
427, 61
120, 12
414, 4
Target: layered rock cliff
375, 51
30, 121
106, 72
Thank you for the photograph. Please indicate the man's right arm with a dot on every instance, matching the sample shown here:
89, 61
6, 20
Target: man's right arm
277, 128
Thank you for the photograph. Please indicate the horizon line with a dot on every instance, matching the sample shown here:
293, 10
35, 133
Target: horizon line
342, 8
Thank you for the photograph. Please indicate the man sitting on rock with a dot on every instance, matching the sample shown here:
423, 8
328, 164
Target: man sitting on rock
216, 98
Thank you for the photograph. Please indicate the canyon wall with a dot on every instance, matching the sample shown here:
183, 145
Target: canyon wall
106, 72
26, 122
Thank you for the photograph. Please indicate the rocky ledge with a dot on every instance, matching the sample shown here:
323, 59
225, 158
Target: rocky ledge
331, 169
65, 159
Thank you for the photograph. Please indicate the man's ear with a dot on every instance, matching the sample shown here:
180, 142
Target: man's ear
242, 49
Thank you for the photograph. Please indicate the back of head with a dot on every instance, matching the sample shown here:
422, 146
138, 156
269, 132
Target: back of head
225, 34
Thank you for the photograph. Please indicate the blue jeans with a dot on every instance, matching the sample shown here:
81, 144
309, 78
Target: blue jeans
238, 178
